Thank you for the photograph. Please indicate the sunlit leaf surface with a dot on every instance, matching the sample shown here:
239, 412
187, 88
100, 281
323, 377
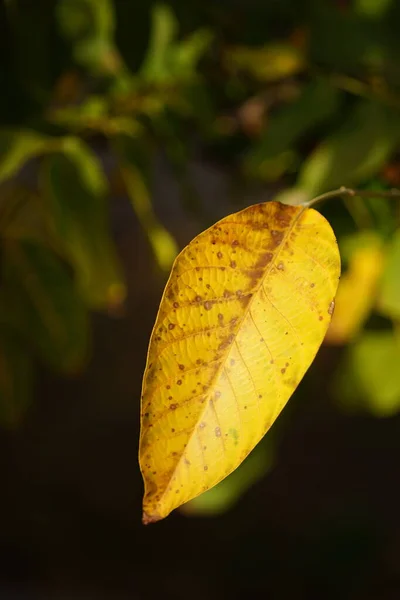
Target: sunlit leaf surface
243, 314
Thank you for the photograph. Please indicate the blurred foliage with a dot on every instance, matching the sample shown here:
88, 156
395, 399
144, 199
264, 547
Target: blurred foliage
301, 97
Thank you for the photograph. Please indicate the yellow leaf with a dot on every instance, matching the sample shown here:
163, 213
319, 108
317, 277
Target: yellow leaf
243, 314
356, 293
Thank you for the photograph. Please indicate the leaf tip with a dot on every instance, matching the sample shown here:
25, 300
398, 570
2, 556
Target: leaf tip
150, 518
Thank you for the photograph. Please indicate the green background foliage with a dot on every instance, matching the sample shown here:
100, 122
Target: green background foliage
125, 129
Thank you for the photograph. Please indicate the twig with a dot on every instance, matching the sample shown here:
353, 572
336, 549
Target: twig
350, 193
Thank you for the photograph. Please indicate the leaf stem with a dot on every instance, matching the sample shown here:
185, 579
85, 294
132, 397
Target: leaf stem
350, 193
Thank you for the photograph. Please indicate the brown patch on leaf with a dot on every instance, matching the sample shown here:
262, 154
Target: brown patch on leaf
226, 342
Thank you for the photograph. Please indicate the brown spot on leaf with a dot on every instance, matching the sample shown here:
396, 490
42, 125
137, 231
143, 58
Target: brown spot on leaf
198, 298
276, 238
331, 307
179, 382
176, 305
232, 362
205, 468
283, 371
312, 285
207, 305
321, 318
182, 367
202, 425
235, 243
173, 406
218, 432
284, 214
226, 342
264, 259
281, 266
233, 264
220, 317
219, 254
171, 326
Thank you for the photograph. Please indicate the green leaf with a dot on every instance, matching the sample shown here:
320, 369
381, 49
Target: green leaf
389, 296
372, 9
273, 154
75, 188
370, 375
167, 58
271, 62
163, 30
89, 25
135, 173
16, 378
40, 302
186, 54
19, 146
354, 153
22, 215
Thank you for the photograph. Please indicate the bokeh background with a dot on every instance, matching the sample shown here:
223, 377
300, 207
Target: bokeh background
126, 128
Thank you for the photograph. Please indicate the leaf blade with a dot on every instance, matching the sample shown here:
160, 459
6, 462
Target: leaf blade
41, 304
75, 189
213, 385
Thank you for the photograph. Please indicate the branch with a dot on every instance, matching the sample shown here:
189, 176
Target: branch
350, 193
